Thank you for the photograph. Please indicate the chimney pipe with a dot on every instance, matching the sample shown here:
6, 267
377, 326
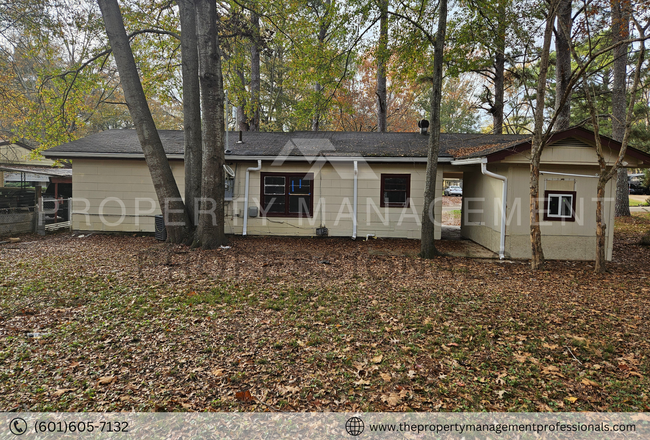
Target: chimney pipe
424, 126
240, 141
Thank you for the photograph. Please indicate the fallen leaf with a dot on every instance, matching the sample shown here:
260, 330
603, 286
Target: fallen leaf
288, 390
623, 367
106, 380
589, 383
392, 399
361, 382
520, 358
386, 377
572, 399
549, 346
62, 391
217, 372
244, 396
377, 359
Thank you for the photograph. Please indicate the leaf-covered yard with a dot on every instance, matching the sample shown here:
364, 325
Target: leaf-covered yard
107, 323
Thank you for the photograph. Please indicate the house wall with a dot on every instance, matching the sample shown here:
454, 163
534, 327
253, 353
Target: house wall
16, 155
560, 240
104, 181
481, 211
105, 190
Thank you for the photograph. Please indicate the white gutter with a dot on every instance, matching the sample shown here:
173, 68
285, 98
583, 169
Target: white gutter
504, 179
233, 157
470, 161
248, 180
354, 205
593, 176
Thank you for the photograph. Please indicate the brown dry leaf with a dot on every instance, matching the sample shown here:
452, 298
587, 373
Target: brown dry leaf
74, 364
391, 399
243, 396
377, 359
386, 377
572, 399
589, 383
62, 391
552, 369
106, 380
520, 358
634, 373
361, 382
288, 390
411, 374
217, 372
549, 346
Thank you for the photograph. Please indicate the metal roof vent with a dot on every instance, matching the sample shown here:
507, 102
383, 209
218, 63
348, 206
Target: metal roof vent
424, 126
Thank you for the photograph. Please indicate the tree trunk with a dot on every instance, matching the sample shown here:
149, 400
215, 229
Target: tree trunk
620, 31
538, 142
255, 73
427, 244
318, 88
499, 78
210, 232
563, 64
600, 228
169, 198
191, 106
242, 117
315, 121
382, 56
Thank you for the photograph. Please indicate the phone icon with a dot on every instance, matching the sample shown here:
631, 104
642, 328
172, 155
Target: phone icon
18, 426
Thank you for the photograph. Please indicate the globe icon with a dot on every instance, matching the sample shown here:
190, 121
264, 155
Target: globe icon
354, 426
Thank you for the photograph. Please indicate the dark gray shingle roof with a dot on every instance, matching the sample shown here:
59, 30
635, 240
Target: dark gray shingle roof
125, 142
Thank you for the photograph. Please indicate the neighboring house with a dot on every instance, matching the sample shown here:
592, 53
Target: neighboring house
18, 165
355, 184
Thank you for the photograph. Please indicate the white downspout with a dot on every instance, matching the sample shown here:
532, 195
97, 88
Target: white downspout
248, 180
504, 179
354, 203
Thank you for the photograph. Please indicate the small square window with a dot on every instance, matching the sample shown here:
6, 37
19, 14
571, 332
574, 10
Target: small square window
559, 205
395, 190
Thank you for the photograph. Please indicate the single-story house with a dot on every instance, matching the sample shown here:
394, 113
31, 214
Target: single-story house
357, 184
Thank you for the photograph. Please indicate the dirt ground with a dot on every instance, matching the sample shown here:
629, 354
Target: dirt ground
111, 323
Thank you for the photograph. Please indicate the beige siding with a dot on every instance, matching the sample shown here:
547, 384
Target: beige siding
106, 193
98, 180
560, 240
571, 152
16, 155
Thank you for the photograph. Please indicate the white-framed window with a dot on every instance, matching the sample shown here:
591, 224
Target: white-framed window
560, 205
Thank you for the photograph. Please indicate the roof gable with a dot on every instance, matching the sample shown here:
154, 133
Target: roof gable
587, 137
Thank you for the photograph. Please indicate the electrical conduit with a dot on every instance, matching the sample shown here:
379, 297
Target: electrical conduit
248, 179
